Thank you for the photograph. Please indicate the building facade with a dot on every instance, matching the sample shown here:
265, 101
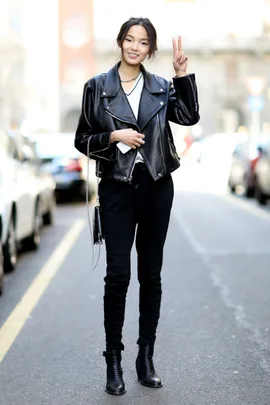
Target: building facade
76, 58
227, 44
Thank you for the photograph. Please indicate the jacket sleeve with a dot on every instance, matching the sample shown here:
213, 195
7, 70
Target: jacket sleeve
99, 144
183, 107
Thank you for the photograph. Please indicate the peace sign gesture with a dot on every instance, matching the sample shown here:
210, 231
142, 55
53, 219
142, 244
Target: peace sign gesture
179, 58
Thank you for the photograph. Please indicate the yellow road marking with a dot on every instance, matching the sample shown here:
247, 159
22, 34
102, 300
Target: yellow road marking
15, 322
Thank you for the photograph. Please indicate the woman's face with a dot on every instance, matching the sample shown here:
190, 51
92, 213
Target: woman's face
135, 47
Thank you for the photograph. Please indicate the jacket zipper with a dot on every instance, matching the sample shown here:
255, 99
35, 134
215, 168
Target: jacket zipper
162, 154
132, 168
120, 119
97, 151
129, 177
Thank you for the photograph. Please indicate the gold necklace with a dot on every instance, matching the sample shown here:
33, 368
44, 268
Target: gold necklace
130, 80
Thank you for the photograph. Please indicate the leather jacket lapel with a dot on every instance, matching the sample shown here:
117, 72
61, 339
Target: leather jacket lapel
117, 104
119, 108
153, 99
150, 105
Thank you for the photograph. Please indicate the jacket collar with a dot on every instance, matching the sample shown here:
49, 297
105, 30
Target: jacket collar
113, 85
153, 98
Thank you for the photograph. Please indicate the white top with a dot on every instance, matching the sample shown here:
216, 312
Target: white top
134, 97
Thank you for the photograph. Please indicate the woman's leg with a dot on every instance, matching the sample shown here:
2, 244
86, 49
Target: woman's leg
118, 220
154, 214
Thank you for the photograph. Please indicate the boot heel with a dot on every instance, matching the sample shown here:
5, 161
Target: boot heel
139, 373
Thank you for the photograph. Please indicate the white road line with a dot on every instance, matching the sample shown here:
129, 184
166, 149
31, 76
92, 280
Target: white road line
226, 296
15, 322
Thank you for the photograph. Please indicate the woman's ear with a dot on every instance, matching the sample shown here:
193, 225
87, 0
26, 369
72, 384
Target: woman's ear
119, 44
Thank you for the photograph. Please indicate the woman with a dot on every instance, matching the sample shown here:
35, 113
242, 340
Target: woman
125, 114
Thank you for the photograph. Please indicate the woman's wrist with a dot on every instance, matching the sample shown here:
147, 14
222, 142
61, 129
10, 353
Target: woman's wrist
180, 74
114, 137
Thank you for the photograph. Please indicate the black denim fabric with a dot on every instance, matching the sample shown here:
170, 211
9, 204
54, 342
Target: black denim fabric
142, 207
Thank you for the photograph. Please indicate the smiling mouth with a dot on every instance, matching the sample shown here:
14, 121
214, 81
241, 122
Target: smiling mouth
132, 54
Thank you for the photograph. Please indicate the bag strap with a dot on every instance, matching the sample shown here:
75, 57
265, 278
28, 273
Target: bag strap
91, 220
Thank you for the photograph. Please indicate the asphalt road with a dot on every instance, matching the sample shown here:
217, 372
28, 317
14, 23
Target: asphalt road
214, 333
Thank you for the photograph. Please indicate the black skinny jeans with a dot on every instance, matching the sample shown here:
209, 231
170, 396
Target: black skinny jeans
147, 204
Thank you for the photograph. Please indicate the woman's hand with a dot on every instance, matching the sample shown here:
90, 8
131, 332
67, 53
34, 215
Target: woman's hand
179, 58
128, 136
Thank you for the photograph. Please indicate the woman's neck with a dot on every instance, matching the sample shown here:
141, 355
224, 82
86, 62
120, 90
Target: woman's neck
128, 72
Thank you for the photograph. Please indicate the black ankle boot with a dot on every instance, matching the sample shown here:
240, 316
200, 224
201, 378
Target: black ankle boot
115, 383
145, 367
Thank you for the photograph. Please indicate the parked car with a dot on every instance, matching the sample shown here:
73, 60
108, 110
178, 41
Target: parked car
1, 256
67, 165
44, 181
244, 160
262, 175
23, 197
11, 197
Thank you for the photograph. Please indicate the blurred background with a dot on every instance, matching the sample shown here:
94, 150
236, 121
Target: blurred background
215, 324
49, 49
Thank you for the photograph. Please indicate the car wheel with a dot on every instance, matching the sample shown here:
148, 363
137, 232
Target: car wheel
1, 285
10, 248
249, 192
48, 217
232, 188
260, 196
33, 241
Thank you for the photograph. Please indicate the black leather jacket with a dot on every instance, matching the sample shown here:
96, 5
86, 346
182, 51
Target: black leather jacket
105, 108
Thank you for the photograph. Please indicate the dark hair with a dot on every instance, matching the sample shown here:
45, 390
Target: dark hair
150, 29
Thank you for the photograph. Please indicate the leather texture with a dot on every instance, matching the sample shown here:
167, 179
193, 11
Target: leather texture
105, 108
115, 384
145, 367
